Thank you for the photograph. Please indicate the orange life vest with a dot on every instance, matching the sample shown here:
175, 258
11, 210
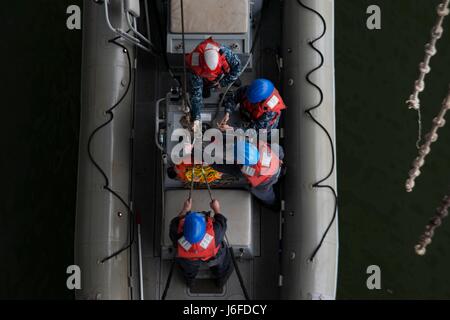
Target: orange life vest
196, 61
273, 103
267, 166
204, 250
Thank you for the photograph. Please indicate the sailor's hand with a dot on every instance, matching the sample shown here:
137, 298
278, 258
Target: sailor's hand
223, 124
187, 206
215, 206
225, 127
225, 118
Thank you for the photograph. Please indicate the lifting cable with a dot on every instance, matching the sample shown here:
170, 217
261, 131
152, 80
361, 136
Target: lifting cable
319, 184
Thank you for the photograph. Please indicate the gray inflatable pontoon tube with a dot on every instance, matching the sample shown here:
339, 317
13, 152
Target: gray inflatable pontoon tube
102, 221
309, 157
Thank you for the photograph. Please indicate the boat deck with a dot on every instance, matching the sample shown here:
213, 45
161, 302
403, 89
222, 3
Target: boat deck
261, 274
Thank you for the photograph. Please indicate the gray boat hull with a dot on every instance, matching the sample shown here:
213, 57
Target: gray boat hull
102, 221
309, 158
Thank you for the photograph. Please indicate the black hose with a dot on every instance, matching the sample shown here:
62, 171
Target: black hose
319, 184
238, 273
169, 279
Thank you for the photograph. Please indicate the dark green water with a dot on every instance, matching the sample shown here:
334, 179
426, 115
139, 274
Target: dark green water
379, 222
41, 82
376, 134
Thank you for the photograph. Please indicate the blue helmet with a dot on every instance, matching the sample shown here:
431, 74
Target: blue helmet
259, 90
246, 153
194, 228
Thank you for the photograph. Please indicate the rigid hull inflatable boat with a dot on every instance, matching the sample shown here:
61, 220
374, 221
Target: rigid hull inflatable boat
132, 58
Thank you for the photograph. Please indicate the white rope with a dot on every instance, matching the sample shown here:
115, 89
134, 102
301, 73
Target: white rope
425, 148
424, 67
435, 222
430, 50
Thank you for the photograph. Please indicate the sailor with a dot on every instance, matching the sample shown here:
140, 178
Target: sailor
261, 168
211, 65
199, 240
260, 105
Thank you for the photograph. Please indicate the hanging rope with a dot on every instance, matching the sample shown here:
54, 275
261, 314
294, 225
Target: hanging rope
205, 180
425, 149
435, 222
192, 181
207, 183
424, 67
